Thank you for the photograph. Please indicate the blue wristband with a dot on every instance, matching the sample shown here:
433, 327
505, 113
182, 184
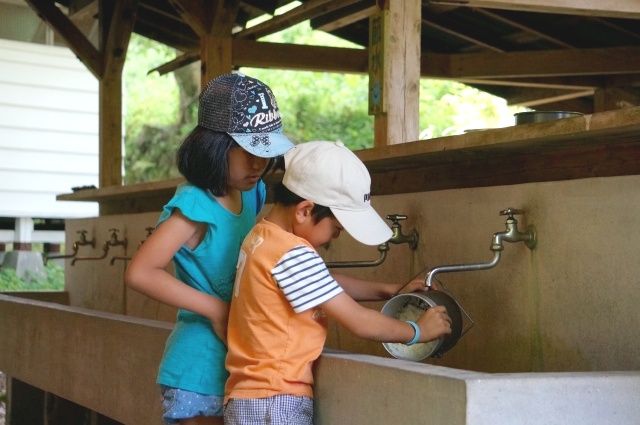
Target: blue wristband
416, 335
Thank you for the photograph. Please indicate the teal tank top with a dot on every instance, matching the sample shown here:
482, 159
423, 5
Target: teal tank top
194, 356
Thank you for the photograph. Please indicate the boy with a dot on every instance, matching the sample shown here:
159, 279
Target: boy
277, 324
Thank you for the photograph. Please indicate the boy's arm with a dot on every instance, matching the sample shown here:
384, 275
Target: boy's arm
373, 325
364, 290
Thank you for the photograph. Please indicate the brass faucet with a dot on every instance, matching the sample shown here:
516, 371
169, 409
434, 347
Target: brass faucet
113, 241
74, 248
398, 237
126, 258
512, 234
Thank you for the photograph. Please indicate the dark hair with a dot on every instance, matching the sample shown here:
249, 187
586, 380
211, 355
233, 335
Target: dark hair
203, 159
285, 197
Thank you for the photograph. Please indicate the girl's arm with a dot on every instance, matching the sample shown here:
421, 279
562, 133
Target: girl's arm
363, 290
146, 272
370, 324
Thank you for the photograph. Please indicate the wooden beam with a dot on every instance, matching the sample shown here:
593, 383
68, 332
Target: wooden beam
536, 97
78, 43
609, 8
549, 63
308, 10
291, 56
525, 28
345, 16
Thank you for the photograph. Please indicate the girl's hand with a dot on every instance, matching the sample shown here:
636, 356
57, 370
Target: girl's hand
434, 323
219, 319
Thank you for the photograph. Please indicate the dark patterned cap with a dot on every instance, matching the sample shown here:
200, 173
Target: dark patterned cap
246, 109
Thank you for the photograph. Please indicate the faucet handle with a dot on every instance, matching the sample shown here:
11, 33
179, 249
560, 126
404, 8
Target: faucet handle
395, 218
511, 212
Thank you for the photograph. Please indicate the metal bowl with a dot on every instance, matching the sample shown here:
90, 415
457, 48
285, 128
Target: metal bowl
543, 116
412, 305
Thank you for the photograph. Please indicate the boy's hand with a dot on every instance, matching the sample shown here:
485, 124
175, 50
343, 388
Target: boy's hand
434, 323
414, 285
417, 284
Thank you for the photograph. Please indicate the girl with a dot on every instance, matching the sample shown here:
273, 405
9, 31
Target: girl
238, 136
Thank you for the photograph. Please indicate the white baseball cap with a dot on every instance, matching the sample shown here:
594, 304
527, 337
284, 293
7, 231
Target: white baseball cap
329, 174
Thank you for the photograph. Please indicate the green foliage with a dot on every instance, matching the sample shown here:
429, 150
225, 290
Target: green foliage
152, 113
314, 105
53, 281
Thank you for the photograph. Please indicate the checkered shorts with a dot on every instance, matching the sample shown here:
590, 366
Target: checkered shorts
276, 410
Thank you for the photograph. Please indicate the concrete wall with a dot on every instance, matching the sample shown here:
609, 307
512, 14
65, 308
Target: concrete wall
569, 305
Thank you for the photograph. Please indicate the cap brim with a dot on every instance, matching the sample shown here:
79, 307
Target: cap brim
264, 145
366, 226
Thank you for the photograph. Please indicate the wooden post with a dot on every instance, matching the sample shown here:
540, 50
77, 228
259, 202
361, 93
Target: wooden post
213, 22
394, 71
215, 56
116, 25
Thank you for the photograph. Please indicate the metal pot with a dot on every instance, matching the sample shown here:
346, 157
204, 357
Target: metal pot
543, 116
411, 306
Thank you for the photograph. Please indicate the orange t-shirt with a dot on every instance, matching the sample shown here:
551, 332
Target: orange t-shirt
276, 329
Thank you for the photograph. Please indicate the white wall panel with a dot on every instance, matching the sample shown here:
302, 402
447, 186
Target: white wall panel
48, 131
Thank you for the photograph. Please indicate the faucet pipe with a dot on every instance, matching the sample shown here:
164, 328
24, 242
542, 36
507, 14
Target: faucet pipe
127, 258
382, 249
512, 234
113, 241
461, 268
74, 248
74, 252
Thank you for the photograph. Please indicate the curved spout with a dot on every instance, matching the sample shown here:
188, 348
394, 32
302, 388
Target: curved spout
461, 268
382, 249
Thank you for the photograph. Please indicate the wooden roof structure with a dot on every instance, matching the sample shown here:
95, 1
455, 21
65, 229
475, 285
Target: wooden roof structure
580, 55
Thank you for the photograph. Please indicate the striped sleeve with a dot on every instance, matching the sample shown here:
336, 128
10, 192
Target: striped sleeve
304, 279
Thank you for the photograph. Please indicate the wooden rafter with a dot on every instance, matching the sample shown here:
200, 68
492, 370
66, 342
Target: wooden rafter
629, 9
525, 28
307, 10
537, 97
559, 83
177, 63
345, 16
77, 41
459, 35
